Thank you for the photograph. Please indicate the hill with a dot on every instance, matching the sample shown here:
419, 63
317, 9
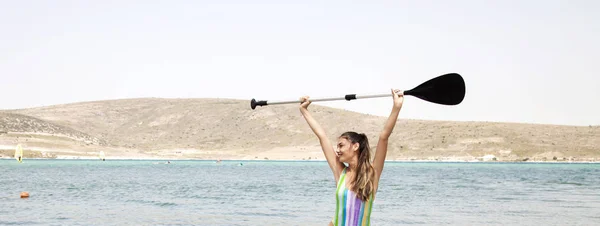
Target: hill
229, 129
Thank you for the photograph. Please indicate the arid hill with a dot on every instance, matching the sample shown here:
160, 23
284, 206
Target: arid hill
229, 129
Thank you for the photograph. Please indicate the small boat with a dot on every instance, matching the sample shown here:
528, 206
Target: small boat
101, 155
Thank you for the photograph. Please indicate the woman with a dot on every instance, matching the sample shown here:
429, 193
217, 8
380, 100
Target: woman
357, 183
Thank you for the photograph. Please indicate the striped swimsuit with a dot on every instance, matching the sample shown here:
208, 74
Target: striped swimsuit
350, 210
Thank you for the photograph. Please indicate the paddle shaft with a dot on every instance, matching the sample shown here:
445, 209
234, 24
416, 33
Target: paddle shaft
346, 97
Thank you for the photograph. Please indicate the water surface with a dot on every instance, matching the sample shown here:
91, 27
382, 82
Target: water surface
144, 192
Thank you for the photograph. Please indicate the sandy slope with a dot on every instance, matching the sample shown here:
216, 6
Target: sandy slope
229, 129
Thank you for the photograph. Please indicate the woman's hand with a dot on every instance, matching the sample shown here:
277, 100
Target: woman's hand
398, 97
305, 101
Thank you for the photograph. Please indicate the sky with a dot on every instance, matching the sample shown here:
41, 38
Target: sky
523, 61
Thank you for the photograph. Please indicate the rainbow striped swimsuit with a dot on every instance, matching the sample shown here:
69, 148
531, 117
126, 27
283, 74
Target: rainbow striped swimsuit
350, 210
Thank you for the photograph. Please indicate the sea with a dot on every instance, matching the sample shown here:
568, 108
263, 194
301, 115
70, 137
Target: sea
190, 192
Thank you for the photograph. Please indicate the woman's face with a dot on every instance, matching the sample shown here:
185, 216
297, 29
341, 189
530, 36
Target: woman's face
345, 150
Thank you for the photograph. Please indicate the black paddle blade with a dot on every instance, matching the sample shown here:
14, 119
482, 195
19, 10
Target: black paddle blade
448, 89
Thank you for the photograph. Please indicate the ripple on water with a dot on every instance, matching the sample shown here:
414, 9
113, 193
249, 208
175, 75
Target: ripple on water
154, 203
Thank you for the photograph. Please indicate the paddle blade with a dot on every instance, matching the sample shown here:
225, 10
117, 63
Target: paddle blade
448, 89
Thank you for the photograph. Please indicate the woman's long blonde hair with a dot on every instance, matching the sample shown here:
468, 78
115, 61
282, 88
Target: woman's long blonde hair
363, 185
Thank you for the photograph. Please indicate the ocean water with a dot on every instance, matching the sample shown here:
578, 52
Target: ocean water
149, 192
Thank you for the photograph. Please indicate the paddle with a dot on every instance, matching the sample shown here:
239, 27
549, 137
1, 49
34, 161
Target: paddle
448, 89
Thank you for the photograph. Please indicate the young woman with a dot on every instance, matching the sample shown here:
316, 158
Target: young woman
357, 182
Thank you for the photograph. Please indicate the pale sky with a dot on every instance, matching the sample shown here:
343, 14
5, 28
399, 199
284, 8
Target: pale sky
523, 61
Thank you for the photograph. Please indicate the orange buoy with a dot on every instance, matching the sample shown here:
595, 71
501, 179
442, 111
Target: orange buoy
24, 195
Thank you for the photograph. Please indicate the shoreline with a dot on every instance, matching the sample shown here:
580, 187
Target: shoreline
68, 158
294, 153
